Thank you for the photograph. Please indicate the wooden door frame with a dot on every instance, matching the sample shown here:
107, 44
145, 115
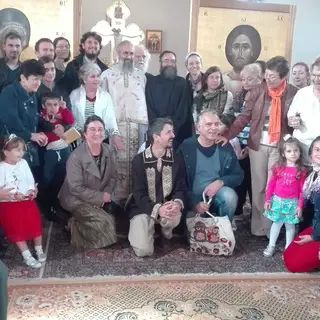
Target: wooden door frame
232, 4
77, 18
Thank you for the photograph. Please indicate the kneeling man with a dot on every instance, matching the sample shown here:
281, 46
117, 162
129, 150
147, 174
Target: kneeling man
159, 188
212, 169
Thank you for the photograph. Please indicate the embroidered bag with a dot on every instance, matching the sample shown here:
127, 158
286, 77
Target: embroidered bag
212, 236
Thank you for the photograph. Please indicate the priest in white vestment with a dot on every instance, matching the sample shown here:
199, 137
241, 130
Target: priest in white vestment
126, 85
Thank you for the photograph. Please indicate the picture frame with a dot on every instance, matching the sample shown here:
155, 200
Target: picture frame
154, 41
214, 21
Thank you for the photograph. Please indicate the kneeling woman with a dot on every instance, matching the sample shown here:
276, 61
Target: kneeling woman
89, 184
303, 254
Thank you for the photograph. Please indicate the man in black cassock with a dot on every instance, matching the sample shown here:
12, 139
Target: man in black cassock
159, 189
169, 95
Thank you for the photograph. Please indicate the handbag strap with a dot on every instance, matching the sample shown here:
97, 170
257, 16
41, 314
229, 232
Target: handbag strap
207, 202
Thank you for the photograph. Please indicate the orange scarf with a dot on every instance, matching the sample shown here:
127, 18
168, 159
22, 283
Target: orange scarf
275, 112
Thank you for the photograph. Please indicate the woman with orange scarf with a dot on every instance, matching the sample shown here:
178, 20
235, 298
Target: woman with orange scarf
266, 107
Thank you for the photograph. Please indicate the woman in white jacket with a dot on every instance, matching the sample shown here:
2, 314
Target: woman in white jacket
89, 99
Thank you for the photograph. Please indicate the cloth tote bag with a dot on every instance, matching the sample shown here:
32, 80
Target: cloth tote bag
211, 235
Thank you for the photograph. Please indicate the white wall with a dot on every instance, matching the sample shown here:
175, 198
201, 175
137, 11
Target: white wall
173, 18
170, 16
306, 44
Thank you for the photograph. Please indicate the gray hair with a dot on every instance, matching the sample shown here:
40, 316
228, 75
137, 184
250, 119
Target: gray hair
253, 69
123, 43
87, 69
143, 48
157, 125
211, 112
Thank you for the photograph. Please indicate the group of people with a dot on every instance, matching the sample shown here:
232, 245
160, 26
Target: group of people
150, 147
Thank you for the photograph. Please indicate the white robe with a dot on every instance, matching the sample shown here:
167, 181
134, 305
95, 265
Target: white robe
128, 93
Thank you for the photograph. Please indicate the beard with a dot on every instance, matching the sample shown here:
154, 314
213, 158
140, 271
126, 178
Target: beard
169, 72
126, 65
92, 56
142, 67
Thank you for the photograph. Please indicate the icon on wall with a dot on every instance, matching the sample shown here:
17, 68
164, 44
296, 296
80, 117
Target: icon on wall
14, 20
154, 41
243, 46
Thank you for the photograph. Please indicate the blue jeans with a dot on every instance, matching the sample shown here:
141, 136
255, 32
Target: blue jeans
52, 160
224, 203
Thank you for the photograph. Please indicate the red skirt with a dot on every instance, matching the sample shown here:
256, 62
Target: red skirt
302, 258
20, 221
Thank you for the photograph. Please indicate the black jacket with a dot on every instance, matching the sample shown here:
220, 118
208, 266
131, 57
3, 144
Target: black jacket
173, 99
58, 90
4, 74
71, 80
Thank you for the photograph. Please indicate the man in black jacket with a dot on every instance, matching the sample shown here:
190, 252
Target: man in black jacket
10, 63
168, 95
90, 46
159, 189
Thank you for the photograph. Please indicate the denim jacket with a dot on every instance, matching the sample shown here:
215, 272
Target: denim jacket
19, 113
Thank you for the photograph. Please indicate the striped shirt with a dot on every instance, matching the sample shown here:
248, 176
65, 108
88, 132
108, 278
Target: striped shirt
244, 134
89, 108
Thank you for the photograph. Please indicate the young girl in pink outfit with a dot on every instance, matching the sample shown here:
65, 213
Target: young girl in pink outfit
284, 196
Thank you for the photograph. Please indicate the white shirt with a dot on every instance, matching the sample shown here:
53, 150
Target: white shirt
17, 176
103, 107
308, 106
128, 93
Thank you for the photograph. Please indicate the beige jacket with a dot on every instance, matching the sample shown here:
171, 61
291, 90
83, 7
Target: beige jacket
84, 183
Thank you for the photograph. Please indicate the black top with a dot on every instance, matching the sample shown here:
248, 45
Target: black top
207, 151
7, 75
70, 80
59, 90
171, 98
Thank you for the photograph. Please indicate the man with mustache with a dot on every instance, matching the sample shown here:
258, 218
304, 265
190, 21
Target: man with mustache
159, 189
10, 63
126, 85
90, 46
142, 59
169, 95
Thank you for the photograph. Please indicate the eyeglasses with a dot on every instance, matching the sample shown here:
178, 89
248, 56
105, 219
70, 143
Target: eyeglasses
271, 77
316, 76
169, 61
94, 130
63, 47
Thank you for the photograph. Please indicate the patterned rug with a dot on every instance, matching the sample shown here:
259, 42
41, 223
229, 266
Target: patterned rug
169, 298
120, 260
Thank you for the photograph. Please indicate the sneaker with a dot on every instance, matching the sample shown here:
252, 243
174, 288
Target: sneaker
33, 263
269, 251
42, 257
